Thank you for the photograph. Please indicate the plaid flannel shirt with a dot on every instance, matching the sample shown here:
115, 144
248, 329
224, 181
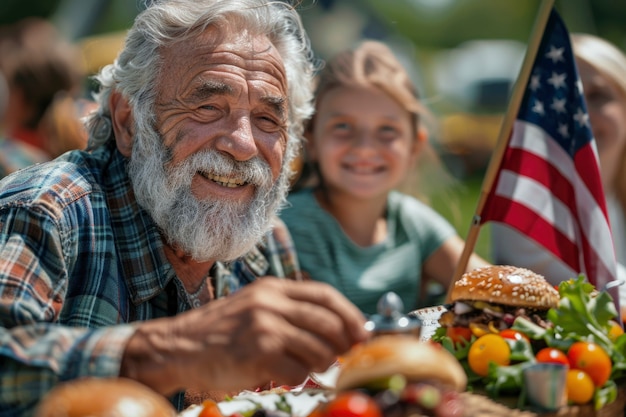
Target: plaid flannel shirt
80, 262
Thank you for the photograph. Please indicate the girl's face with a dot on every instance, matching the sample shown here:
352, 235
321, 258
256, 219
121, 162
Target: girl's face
363, 141
606, 105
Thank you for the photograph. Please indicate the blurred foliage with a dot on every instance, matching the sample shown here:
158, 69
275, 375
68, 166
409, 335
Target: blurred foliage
433, 27
446, 26
14, 10
76, 18
428, 23
458, 204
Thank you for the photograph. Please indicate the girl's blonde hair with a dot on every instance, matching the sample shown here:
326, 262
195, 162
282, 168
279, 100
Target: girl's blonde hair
609, 61
371, 64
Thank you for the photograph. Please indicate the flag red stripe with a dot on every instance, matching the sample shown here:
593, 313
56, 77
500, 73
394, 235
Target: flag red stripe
521, 217
591, 177
533, 166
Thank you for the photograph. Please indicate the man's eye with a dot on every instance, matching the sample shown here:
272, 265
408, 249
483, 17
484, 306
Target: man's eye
268, 123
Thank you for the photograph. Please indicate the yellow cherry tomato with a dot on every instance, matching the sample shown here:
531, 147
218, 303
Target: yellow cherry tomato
579, 386
210, 409
615, 330
486, 349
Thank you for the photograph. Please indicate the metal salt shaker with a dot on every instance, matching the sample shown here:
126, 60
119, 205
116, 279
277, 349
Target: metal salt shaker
391, 319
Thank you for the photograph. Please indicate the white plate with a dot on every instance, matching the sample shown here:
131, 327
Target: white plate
302, 403
430, 320
328, 378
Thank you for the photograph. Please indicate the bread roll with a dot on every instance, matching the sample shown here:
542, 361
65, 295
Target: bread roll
110, 397
406, 355
507, 285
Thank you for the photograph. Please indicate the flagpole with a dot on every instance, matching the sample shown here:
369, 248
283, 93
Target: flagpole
503, 137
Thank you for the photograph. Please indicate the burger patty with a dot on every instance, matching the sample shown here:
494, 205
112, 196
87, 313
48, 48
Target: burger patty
499, 316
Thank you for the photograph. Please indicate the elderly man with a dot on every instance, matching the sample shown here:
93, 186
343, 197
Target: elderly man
113, 261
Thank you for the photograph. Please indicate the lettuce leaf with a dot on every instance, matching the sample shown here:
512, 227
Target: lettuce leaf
581, 316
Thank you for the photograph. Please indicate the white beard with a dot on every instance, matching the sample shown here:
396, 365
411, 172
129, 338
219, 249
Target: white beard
210, 229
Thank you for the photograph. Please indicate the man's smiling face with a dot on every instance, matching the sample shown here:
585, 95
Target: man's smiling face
213, 173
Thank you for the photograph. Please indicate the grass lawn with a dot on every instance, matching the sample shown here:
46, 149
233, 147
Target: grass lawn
458, 205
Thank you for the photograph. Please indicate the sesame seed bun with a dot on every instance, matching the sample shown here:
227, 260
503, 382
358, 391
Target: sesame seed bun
406, 355
508, 285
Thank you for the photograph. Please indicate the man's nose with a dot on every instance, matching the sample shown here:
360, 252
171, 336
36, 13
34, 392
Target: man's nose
239, 140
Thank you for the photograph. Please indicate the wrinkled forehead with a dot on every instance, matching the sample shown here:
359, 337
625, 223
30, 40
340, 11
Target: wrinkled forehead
224, 45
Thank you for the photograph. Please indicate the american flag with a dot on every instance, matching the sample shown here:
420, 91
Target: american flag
548, 185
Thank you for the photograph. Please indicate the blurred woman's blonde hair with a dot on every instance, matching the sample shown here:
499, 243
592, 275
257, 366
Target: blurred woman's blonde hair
609, 61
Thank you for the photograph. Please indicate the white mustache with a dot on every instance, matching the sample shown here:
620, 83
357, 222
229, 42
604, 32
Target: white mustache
215, 164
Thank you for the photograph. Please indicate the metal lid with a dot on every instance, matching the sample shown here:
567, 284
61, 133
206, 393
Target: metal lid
391, 318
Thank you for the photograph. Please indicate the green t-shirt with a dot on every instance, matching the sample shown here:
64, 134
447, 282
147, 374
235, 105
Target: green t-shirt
364, 274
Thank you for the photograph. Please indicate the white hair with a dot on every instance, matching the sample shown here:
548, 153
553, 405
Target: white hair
166, 22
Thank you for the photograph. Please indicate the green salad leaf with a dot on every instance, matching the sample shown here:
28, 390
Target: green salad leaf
583, 314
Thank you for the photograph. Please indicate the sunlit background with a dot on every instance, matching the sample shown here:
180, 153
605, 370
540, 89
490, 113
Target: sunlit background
464, 56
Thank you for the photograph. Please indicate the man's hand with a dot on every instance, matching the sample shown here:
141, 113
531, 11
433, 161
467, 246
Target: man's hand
272, 329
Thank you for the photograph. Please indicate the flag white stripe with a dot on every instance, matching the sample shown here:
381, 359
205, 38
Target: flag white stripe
535, 196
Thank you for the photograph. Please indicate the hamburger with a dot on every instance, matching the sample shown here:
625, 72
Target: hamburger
104, 397
491, 298
404, 376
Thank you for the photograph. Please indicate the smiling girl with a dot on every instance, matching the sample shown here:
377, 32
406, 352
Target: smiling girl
352, 229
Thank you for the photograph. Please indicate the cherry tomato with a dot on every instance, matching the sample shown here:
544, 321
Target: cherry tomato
352, 404
615, 330
513, 335
459, 334
579, 385
552, 355
488, 348
210, 409
592, 359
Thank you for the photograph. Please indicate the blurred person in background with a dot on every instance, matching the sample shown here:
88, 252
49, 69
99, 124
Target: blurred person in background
44, 73
14, 154
350, 226
602, 69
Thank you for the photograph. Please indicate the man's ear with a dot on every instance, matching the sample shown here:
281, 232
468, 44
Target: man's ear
122, 121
